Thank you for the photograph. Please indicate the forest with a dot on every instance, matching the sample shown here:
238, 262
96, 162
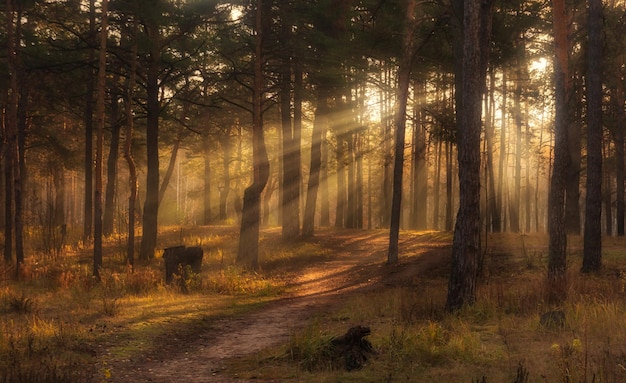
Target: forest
474, 149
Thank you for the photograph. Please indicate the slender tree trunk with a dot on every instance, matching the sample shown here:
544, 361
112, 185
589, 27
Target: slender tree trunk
248, 253
340, 153
88, 208
436, 185
128, 154
358, 144
618, 137
607, 192
592, 248
100, 121
20, 172
491, 182
10, 131
321, 115
323, 170
449, 202
419, 162
502, 186
290, 183
402, 96
114, 149
557, 263
206, 201
226, 158
515, 204
466, 243
387, 193
151, 204
172, 162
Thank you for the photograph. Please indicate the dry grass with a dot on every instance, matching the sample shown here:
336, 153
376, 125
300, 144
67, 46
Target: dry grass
500, 339
57, 322
56, 317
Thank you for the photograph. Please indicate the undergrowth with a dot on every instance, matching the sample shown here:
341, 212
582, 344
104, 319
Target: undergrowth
54, 314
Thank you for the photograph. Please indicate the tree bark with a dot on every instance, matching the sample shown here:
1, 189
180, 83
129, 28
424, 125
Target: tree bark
151, 204
109, 201
88, 208
402, 96
100, 121
618, 138
226, 158
592, 248
557, 263
128, 154
466, 243
206, 200
248, 252
290, 183
321, 115
10, 131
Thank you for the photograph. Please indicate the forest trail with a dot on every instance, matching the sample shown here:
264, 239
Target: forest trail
357, 265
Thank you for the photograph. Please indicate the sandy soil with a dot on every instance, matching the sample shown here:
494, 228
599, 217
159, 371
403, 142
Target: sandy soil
358, 265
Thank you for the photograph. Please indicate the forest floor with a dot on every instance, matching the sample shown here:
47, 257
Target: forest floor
355, 265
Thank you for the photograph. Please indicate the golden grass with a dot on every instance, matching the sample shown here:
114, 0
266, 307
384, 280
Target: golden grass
57, 317
500, 338
52, 318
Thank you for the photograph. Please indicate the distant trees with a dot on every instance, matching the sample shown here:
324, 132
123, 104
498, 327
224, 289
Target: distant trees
180, 82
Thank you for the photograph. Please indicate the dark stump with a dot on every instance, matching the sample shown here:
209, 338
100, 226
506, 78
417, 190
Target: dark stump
352, 348
180, 259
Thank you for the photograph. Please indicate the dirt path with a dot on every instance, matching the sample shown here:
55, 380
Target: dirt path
357, 266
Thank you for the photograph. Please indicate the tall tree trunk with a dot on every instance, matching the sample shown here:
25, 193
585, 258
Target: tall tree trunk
20, 173
515, 204
226, 158
172, 162
248, 253
290, 183
100, 120
502, 186
323, 170
321, 115
358, 144
89, 101
607, 191
151, 204
466, 243
419, 166
592, 248
402, 96
340, 154
206, 195
618, 137
128, 153
114, 149
10, 131
557, 263
437, 184
387, 192
572, 192
449, 181
492, 202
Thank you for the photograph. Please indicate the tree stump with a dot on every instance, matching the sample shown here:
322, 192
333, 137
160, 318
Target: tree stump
177, 259
352, 348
